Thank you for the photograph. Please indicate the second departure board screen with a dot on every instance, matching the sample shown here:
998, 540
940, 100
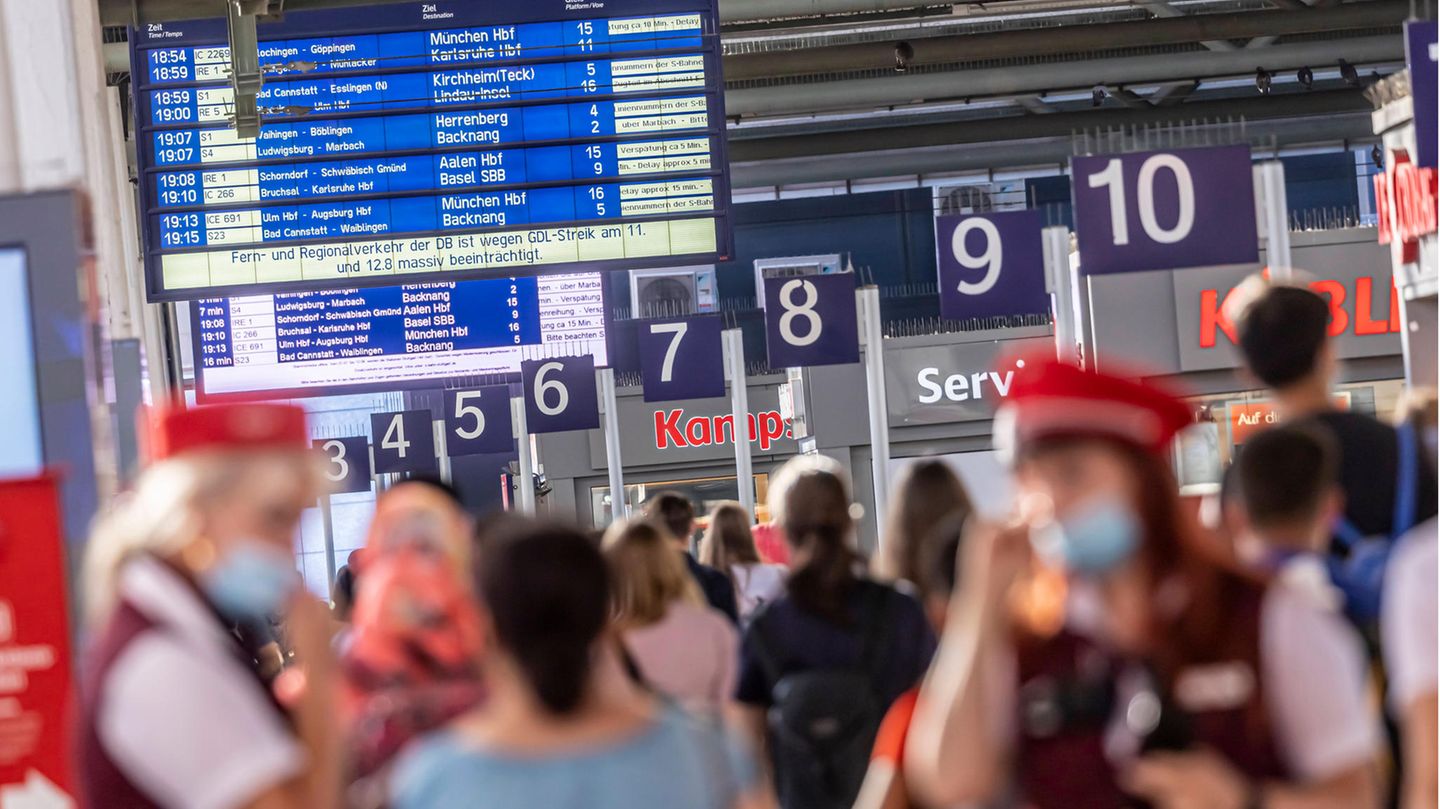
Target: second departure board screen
412, 142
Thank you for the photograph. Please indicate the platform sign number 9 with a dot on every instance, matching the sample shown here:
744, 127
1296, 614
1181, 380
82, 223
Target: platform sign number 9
811, 321
477, 420
991, 264
347, 463
560, 394
1165, 210
404, 441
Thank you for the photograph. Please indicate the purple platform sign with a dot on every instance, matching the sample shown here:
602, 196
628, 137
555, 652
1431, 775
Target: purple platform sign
560, 394
403, 442
1420, 58
1165, 210
477, 420
681, 358
348, 463
991, 264
811, 321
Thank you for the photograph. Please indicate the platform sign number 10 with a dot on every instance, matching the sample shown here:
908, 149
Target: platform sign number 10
1165, 210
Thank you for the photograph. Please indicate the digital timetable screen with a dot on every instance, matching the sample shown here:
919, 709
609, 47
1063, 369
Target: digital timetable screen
411, 142
384, 338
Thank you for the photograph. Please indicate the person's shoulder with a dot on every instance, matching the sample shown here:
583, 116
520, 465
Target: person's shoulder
893, 597
1347, 425
428, 761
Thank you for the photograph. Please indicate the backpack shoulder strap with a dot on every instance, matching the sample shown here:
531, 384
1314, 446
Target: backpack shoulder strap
759, 644
874, 621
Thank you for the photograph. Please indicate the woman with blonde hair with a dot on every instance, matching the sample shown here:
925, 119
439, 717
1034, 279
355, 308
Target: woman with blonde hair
729, 547
682, 647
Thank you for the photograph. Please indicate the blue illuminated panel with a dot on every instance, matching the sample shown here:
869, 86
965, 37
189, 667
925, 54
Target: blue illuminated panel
414, 139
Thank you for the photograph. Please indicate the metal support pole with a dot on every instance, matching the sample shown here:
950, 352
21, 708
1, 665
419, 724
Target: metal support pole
327, 525
525, 486
874, 341
442, 451
734, 345
619, 508
1274, 215
1056, 242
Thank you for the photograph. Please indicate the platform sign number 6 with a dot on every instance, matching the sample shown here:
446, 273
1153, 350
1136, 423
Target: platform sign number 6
404, 441
991, 264
347, 466
477, 420
560, 394
681, 358
811, 321
1165, 210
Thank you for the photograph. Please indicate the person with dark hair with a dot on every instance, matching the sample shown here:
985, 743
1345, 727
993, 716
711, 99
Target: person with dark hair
926, 493
1285, 341
564, 729
1099, 652
937, 555
729, 547
676, 515
342, 596
820, 665
1286, 501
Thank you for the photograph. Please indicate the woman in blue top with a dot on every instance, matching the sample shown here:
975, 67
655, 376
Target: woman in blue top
563, 727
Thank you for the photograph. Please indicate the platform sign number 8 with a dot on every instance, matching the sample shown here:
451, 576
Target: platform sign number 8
477, 420
991, 264
811, 321
404, 441
347, 466
560, 394
1165, 210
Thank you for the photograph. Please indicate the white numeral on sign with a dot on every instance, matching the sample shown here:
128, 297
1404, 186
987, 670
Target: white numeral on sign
462, 410
677, 330
341, 467
542, 385
989, 259
1113, 178
395, 436
805, 310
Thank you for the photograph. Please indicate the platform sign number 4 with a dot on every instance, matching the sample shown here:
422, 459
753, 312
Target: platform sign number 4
404, 441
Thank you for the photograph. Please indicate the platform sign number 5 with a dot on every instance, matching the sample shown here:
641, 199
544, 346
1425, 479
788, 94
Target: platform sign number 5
1165, 210
347, 466
991, 264
404, 441
811, 321
560, 394
681, 358
477, 420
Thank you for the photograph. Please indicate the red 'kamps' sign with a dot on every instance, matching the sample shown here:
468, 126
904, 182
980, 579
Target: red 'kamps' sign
1358, 317
35, 671
673, 429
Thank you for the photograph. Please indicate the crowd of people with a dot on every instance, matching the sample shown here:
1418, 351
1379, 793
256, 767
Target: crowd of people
1104, 646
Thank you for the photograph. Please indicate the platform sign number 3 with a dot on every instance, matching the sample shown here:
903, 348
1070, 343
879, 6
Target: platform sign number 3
991, 264
404, 441
1165, 210
347, 463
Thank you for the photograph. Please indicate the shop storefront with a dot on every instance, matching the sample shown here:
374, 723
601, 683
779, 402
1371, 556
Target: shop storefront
1189, 339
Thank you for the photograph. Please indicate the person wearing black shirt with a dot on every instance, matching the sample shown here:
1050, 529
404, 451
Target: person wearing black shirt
1284, 338
675, 513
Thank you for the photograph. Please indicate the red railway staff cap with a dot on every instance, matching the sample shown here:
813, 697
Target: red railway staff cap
172, 429
1051, 399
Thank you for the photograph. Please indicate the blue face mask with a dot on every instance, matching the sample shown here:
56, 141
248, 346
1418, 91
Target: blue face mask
250, 581
1093, 539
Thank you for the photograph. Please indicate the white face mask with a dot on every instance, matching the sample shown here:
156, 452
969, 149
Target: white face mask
251, 580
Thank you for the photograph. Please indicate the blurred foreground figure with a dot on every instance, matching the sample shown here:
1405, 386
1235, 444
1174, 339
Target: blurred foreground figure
1096, 653
412, 659
175, 714
676, 515
562, 727
729, 547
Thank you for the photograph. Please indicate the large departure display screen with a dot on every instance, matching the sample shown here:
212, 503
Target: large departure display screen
385, 338
416, 142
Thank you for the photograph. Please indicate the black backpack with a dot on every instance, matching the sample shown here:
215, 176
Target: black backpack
823, 722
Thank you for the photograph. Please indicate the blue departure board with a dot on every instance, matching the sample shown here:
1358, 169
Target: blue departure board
410, 142
384, 338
